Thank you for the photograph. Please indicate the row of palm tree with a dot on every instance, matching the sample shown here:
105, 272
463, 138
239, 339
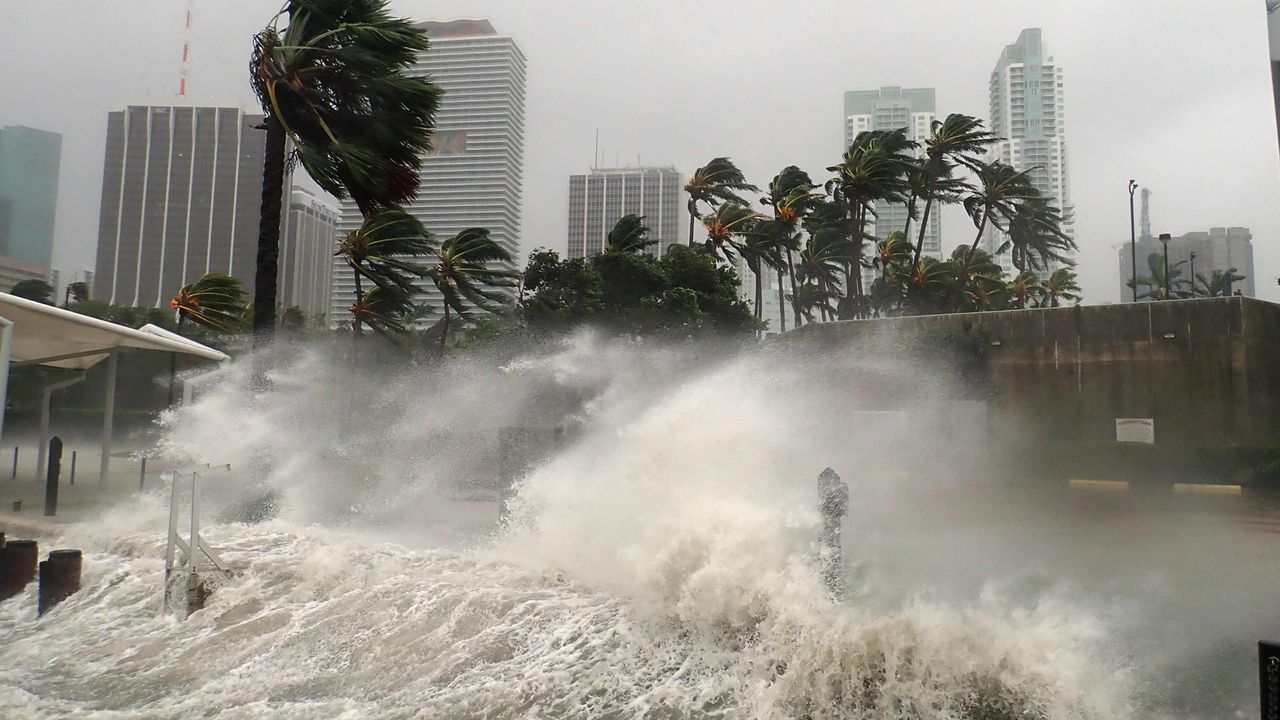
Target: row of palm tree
1221, 283
816, 236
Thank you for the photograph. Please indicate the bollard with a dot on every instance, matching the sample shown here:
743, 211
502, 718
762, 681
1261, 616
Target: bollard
17, 567
72, 479
142, 475
1269, 679
15, 463
17, 506
833, 499
59, 578
51, 479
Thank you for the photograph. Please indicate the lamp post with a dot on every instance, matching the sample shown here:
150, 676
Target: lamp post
1164, 240
1133, 240
1193, 274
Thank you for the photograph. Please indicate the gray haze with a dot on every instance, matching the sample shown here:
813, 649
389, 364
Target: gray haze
1173, 93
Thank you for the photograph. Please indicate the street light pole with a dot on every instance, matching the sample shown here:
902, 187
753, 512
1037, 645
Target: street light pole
1193, 274
1164, 240
1133, 240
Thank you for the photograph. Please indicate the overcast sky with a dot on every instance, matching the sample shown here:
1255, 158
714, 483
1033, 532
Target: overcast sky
1174, 93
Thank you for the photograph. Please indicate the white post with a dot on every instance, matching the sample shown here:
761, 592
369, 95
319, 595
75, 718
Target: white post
6, 348
194, 543
108, 417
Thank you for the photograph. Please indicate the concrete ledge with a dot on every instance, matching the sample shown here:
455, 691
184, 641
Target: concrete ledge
1099, 485
1206, 489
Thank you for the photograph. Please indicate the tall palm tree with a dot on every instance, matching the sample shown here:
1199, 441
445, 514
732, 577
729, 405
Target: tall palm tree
959, 140
1036, 238
821, 263
213, 301
716, 182
977, 280
1155, 280
729, 222
761, 244
791, 196
1002, 188
467, 267
76, 292
1060, 286
383, 251
1220, 284
875, 167
1024, 289
927, 284
333, 82
629, 235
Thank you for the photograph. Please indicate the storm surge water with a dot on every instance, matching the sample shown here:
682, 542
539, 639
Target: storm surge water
658, 564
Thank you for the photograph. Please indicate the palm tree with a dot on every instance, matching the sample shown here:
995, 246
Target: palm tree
978, 281
875, 167
1036, 237
820, 264
1061, 285
1221, 284
463, 272
37, 290
761, 244
333, 82
1024, 289
77, 291
1002, 188
959, 140
214, 301
791, 196
927, 284
730, 220
1155, 280
382, 250
629, 235
716, 182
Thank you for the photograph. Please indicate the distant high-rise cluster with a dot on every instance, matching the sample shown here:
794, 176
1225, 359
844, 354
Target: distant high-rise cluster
598, 199
30, 160
1028, 110
1218, 250
473, 178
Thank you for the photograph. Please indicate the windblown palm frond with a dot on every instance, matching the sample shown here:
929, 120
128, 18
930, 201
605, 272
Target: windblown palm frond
629, 235
468, 268
719, 181
213, 301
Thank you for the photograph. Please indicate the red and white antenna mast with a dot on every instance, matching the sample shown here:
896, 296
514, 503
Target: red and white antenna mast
186, 54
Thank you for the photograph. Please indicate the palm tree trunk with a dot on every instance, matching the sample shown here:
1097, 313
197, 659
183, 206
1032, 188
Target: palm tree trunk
782, 304
264, 281
924, 228
759, 273
982, 227
693, 214
355, 319
911, 211
444, 328
791, 271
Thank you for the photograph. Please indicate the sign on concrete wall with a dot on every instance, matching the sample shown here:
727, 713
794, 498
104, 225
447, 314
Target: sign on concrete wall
1136, 430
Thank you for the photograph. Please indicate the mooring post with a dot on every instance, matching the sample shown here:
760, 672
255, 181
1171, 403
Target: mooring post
54, 468
19, 563
59, 578
15, 463
1269, 679
142, 474
833, 499
72, 478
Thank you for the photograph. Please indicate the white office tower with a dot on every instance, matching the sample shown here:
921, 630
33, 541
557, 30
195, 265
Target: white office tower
599, 199
472, 178
1027, 109
307, 241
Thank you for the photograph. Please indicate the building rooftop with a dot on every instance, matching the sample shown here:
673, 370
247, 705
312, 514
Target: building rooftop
462, 27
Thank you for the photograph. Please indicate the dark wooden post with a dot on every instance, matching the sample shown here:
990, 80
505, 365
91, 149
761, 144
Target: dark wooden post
15, 462
142, 474
17, 567
51, 479
833, 499
72, 478
59, 578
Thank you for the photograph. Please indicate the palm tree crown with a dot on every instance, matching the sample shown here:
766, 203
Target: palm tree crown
717, 182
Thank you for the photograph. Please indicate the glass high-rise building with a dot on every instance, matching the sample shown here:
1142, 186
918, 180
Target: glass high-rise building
598, 199
29, 165
181, 189
473, 177
1028, 110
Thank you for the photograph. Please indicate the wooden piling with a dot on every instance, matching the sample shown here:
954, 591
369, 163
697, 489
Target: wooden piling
59, 578
54, 468
17, 567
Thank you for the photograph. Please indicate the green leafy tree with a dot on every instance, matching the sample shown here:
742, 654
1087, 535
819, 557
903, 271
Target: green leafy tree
213, 301
37, 290
386, 251
717, 182
467, 269
76, 292
334, 82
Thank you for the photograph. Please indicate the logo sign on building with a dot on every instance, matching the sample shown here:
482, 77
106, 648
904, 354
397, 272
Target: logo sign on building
449, 142
1136, 430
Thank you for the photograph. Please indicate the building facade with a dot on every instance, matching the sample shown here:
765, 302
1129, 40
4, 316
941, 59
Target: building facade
181, 190
1028, 110
600, 198
13, 272
891, 108
473, 177
307, 242
30, 161
1218, 250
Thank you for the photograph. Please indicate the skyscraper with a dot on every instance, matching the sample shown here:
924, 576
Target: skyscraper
306, 253
181, 189
473, 177
597, 200
1027, 109
29, 165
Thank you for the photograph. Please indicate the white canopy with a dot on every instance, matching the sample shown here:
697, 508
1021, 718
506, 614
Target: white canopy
48, 335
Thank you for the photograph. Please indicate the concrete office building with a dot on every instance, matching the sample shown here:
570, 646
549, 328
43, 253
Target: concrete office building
598, 199
1028, 109
181, 189
473, 178
1218, 250
30, 160
307, 242
891, 108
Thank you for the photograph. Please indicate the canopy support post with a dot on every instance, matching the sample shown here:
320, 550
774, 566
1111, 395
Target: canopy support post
108, 417
6, 349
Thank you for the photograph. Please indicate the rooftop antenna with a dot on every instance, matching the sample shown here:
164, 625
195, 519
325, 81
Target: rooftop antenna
186, 53
595, 159
1146, 213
